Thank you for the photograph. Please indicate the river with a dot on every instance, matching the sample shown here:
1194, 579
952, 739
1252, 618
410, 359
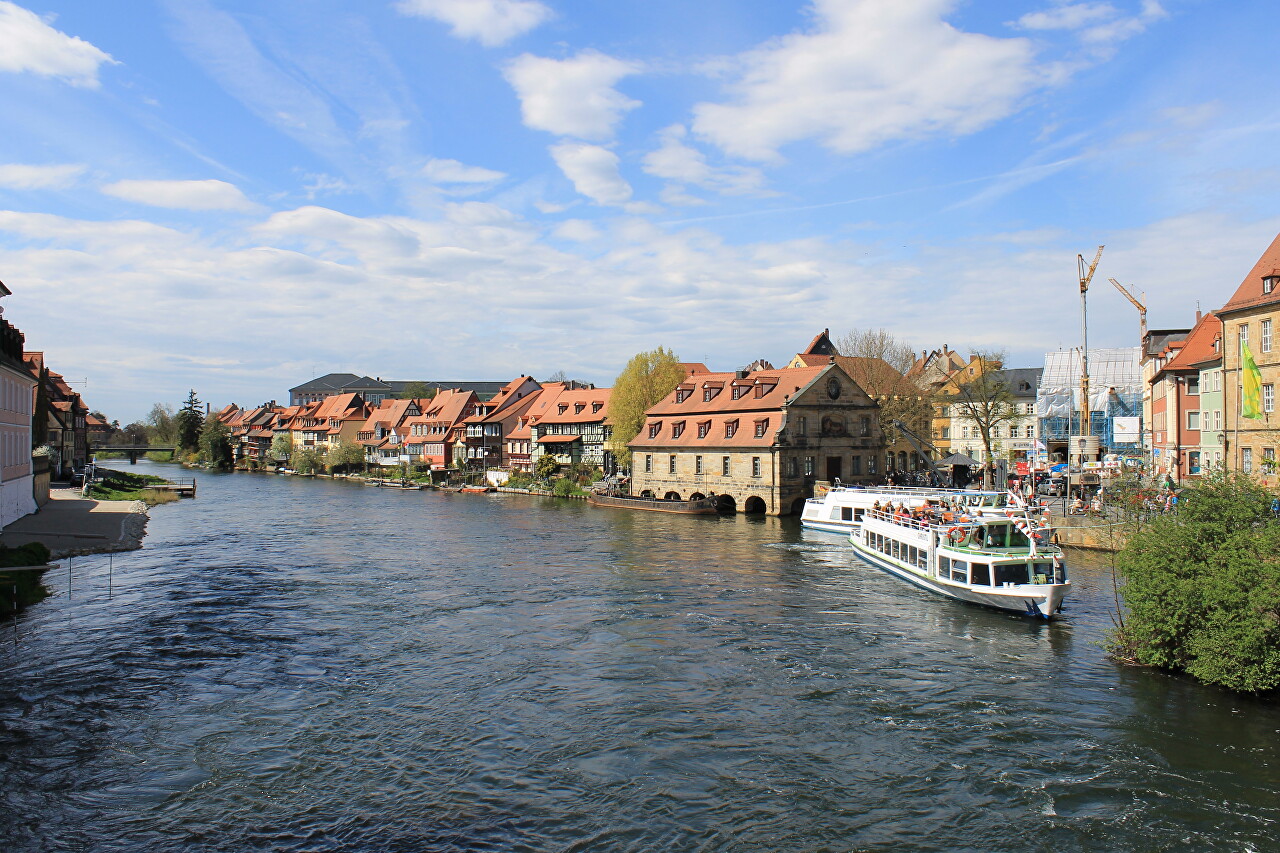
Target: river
294, 664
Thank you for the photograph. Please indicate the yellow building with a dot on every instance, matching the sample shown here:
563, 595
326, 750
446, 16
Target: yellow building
1250, 316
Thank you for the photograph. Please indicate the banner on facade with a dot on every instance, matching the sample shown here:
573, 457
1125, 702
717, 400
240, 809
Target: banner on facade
1126, 430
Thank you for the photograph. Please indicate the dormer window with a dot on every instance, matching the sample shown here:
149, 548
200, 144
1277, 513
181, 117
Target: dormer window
677, 429
730, 427
578, 407
563, 407
595, 407
704, 427
738, 391
761, 426
1269, 282
682, 394
655, 428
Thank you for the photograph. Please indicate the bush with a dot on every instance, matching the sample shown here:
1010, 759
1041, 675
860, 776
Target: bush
564, 487
1202, 587
31, 554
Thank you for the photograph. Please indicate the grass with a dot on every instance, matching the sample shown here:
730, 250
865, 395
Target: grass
124, 486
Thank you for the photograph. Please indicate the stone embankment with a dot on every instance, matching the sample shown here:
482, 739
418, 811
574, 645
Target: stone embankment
1086, 531
71, 525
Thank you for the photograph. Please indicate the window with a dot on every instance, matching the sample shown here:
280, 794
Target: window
755, 466
682, 394
1193, 462
946, 432
595, 407
671, 464
730, 427
1268, 459
965, 432
1268, 398
655, 428
864, 425
697, 464
563, 407
677, 429
1246, 460
855, 466
1264, 342
1217, 418
871, 464
1031, 431
703, 428
648, 463
793, 467
724, 466
738, 391
1244, 336
761, 426
1193, 420
1193, 384
578, 407
802, 426
808, 466
1269, 283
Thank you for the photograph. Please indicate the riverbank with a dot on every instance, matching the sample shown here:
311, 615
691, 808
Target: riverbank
70, 525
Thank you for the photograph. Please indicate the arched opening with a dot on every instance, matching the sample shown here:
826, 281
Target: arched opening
647, 493
727, 504
671, 496
696, 496
754, 505
797, 506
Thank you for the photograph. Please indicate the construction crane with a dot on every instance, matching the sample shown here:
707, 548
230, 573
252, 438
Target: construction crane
1086, 276
1142, 308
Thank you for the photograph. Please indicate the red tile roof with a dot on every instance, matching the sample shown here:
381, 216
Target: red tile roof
1249, 294
1198, 347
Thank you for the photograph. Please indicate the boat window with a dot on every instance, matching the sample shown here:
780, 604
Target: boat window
944, 566
911, 555
1018, 539
959, 571
981, 574
857, 515
1011, 573
846, 513
1042, 573
1060, 573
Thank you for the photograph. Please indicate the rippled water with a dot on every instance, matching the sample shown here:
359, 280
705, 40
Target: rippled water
313, 665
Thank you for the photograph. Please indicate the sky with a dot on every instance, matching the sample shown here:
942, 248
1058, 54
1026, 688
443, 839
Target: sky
234, 197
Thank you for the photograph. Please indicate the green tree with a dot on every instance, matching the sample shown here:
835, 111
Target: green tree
345, 455
215, 444
187, 424
647, 378
307, 460
162, 428
282, 447
1202, 587
546, 467
417, 391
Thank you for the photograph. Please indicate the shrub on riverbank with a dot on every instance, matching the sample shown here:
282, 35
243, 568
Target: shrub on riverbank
1202, 588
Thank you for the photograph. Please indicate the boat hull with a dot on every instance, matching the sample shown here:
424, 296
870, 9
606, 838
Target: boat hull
1038, 600
704, 506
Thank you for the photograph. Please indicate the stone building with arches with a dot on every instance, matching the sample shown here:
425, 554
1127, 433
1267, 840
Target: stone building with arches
759, 438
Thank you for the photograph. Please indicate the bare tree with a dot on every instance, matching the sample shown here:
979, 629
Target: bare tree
987, 401
879, 362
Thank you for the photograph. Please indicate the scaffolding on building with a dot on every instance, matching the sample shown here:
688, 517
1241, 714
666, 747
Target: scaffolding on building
1115, 398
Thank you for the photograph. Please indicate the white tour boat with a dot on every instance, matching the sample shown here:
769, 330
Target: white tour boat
991, 560
841, 508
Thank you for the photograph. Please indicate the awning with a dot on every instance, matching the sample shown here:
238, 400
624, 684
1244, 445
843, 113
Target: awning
957, 459
558, 439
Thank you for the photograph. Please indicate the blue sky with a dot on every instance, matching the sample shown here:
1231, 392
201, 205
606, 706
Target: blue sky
235, 196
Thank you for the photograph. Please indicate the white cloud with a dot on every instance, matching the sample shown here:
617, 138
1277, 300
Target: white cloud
869, 72
27, 43
23, 176
1099, 26
577, 230
490, 22
185, 195
679, 162
453, 172
594, 172
572, 97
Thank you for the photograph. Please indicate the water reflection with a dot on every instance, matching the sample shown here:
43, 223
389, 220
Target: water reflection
310, 665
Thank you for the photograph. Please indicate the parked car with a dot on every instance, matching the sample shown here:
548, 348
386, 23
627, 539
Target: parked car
1054, 487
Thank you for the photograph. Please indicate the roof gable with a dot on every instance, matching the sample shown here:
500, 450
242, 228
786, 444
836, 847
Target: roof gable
1249, 294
